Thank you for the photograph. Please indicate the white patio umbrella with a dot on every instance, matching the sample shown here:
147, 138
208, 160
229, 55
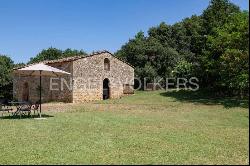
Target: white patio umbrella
40, 70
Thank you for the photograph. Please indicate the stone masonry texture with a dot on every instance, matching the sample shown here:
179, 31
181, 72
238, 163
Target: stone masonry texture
84, 84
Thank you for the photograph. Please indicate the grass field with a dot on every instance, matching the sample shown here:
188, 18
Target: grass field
146, 128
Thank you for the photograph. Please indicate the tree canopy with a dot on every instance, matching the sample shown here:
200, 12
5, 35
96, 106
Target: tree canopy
54, 53
212, 47
228, 53
6, 65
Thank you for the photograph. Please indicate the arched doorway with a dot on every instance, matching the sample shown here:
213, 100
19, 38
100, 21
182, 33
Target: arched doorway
25, 94
106, 89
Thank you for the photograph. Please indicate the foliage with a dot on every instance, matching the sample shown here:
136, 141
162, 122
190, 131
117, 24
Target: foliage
6, 65
54, 53
212, 47
229, 52
217, 13
183, 69
19, 65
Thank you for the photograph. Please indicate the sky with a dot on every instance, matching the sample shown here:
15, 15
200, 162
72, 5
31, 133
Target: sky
28, 26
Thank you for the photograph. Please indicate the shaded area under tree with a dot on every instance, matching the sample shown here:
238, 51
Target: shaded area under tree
205, 97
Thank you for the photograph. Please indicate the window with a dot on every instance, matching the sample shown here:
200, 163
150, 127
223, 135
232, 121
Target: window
106, 64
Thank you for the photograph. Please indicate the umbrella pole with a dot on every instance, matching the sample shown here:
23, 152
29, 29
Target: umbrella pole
40, 93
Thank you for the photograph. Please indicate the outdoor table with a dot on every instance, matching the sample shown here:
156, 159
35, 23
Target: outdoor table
18, 106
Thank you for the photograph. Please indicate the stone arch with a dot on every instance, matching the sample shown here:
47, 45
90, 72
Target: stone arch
106, 89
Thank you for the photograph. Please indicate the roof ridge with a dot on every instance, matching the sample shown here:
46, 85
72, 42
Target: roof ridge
73, 58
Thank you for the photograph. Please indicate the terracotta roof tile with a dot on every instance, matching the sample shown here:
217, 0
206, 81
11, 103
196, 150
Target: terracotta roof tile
68, 59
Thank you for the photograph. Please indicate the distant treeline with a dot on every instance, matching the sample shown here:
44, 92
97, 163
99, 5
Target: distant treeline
212, 47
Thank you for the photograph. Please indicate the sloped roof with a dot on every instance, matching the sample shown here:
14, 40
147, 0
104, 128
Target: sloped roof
35, 70
83, 56
74, 58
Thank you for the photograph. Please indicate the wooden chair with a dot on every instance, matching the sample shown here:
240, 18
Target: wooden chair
35, 107
25, 108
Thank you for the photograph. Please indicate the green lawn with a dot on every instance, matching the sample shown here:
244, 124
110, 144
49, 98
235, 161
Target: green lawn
146, 128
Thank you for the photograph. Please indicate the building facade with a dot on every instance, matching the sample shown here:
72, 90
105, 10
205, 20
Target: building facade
98, 76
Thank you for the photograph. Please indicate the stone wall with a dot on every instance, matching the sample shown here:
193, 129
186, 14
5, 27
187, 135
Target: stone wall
89, 73
85, 83
48, 95
62, 91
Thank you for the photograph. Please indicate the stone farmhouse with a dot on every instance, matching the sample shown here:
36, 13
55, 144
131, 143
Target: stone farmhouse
98, 76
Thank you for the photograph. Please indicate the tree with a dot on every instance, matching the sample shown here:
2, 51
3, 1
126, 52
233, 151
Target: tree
212, 47
151, 55
163, 59
183, 69
217, 13
73, 52
6, 65
19, 65
54, 53
134, 51
229, 53
163, 33
196, 32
